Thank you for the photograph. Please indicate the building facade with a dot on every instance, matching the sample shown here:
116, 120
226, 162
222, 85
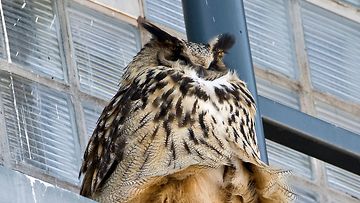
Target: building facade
61, 61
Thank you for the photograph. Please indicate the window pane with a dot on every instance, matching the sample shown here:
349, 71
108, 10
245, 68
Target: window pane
287, 158
2, 41
33, 31
91, 113
277, 93
40, 127
103, 47
338, 117
333, 52
344, 180
304, 196
166, 12
130, 8
270, 35
353, 2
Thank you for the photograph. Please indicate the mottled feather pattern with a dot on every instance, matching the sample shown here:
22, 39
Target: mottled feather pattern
180, 129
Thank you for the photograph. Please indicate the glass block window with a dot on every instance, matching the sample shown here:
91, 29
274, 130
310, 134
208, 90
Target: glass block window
102, 47
345, 181
336, 116
2, 41
287, 158
91, 113
305, 196
40, 122
166, 12
270, 35
353, 2
33, 32
277, 93
40, 126
333, 52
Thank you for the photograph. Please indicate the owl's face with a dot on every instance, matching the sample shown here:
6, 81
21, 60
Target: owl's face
206, 59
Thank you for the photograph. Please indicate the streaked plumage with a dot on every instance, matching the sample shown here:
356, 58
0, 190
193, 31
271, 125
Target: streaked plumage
180, 129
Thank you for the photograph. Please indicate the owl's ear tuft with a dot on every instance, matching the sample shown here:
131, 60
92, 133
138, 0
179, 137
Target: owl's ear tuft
222, 43
156, 32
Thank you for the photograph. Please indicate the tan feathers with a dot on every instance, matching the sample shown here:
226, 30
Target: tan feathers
180, 129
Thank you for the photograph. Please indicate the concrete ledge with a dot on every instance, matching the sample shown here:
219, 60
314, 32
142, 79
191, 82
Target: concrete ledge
17, 187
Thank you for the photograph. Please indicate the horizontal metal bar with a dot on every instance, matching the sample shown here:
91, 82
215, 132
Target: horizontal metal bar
310, 135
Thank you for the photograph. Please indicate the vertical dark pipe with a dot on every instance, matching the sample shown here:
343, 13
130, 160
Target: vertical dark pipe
205, 19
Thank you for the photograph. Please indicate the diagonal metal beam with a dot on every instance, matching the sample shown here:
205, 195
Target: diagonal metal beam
310, 135
208, 18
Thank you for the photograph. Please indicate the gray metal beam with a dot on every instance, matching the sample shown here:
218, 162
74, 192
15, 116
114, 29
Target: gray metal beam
208, 18
310, 135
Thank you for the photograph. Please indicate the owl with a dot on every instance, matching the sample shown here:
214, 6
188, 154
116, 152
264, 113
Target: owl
179, 129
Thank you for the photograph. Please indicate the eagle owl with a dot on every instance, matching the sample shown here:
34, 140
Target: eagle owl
180, 129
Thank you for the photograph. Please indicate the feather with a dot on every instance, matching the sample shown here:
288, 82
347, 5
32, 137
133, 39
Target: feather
173, 135
223, 43
156, 32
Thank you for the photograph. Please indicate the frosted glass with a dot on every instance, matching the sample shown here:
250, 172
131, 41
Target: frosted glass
92, 115
286, 158
344, 180
277, 93
40, 127
166, 12
33, 32
103, 47
338, 117
333, 52
270, 35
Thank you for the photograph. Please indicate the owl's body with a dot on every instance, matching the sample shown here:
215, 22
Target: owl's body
180, 129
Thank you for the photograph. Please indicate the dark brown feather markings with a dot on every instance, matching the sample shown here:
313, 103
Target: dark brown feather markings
105, 165
162, 121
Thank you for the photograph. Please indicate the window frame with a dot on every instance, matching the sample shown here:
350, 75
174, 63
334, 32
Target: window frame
70, 86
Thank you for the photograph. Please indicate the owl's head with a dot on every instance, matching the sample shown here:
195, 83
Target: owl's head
206, 59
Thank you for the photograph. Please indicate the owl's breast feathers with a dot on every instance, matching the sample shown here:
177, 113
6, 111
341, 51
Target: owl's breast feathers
167, 121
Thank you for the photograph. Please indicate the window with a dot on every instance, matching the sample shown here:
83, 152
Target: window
354, 2
40, 126
166, 12
91, 114
34, 37
270, 36
333, 56
61, 62
102, 47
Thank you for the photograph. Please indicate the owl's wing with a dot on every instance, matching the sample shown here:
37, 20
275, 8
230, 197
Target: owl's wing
106, 145
165, 121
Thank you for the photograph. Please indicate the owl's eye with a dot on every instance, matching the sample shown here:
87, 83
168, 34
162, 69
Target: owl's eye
213, 66
217, 66
184, 60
